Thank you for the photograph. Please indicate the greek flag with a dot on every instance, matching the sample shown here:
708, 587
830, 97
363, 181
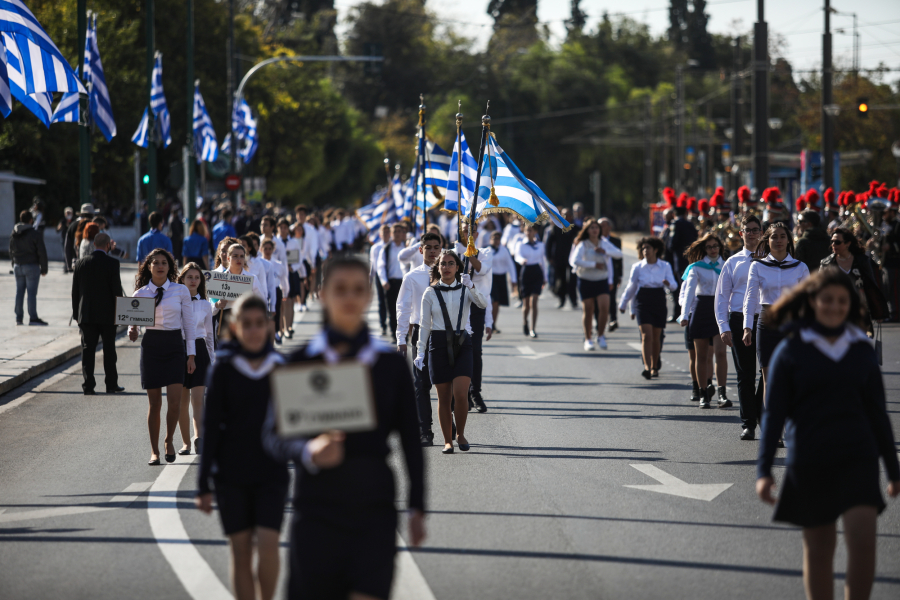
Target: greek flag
142, 135
466, 176
5, 95
67, 109
517, 194
377, 212
437, 165
43, 66
205, 144
244, 124
38, 103
160, 110
101, 108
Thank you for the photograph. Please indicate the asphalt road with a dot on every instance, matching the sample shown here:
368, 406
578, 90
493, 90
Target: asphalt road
539, 508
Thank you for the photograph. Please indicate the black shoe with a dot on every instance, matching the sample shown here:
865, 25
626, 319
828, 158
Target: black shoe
19, 323
613, 326
38, 322
781, 443
384, 331
90, 393
561, 305
447, 450
532, 333
497, 332
479, 402
170, 458
185, 451
462, 447
115, 390
197, 442
153, 462
710, 390
290, 334
645, 374
724, 402
704, 402
525, 329
748, 434
427, 439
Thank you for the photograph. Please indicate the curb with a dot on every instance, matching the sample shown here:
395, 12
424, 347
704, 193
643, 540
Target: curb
56, 359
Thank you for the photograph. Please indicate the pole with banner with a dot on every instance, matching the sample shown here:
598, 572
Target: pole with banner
485, 132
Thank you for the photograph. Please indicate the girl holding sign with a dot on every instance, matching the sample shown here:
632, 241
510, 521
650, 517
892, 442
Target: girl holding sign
235, 259
162, 349
250, 487
343, 538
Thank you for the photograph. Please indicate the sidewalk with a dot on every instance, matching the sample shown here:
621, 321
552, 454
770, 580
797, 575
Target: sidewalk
26, 352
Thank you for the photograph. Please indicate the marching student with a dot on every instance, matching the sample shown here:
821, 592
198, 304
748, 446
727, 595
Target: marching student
164, 356
194, 385
479, 268
591, 261
269, 226
730, 292
280, 276
292, 289
501, 266
825, 390
532, 277
222, 252
254, 266
250, 487
649, 279
616, 281
409, 313
344, 532
391, 272
767, 280
698, 313
235, 255
376, 249
448, 345
410, 257
271, 280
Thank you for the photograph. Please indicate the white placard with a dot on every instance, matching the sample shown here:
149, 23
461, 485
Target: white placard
136, 311
293, 256
310, 399
227, 286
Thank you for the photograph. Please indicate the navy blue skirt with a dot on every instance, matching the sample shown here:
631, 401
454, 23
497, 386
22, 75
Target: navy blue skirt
591, 289
767, 339
531, 281
439, 368
293, 284
650, 307
201, 364
163, 358
499, 292
703, 320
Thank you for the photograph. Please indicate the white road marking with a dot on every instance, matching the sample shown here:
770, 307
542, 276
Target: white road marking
669, 484
528, 352
409, 583
129, 495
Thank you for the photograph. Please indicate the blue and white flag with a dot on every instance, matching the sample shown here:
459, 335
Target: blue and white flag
142, 135
67, 109
5, 94
465, 176
250, 137
38, 103
43, 66
205, 144
160, 110
226, 144
437, 165
101, 107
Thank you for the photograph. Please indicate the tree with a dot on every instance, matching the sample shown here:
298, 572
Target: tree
577, 20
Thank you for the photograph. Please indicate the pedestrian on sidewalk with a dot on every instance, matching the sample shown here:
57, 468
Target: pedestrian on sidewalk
196, 246
532, 262
62, 228
29, 259
194, 387
96, 283
825, 384
162, 349
250, 487
86, 247
344, 533
73, 236
153, 239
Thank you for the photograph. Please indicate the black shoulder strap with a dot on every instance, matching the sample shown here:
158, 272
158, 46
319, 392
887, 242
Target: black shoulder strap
462, 303
447, 323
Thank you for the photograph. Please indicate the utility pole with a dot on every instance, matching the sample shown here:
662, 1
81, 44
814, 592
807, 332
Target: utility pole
827, 100
151, 121
760, 100
648, 152
679, 132
190, 181
737, 108
84, 132
233, 151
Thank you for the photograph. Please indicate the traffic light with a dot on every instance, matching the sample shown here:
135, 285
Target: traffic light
146, 179
862, 107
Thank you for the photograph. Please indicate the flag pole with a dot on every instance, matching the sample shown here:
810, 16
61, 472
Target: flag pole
84, 135
485, 131
459, 118
422, 163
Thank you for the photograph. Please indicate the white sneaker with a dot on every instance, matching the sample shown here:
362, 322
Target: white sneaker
589, 345
601, 341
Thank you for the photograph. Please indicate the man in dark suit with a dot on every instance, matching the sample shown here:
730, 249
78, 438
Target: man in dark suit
95, 285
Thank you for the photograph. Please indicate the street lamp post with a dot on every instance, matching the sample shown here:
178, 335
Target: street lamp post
760, 100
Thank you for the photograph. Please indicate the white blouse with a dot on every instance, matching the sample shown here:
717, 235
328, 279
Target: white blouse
432, 318
306, 251
700, 282
173, 313
732, 287
766, 284
532, 254
503, 262
585, 257
646, 275
257, 289
203, 326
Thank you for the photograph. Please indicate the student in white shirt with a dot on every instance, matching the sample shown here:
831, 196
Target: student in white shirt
698, 315
767, 280
532, 262
649, 279
268, 233
591, 260
280, 275
502, 266
730, 291
194, 386
255, 266
271, 280
374, 251
164, 354
409, 310
479, 268
391, 272
235, 259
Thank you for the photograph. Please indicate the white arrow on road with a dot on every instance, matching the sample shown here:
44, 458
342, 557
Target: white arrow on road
669, 484
528, 352
124, 499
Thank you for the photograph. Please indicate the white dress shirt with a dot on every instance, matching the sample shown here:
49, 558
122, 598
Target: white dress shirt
323, 236
700, 282
586, 256
409, 300
390, 269
374, 249
532, 254
280, 272
311, 235
732, 287
502, 262
766, 284
410, 257
646, 275
271, 282
173, 313
203, 326
278, 253
258, 270
432, 318
483, 279
306, 251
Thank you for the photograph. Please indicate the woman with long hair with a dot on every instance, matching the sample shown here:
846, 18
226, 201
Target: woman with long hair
825, 389
649, 279
86, 247
591, 260
698, 315
195, 383
344, 532
221, 258
250, 486
196, 245
773, 272
530, 257
442, 334
849, 257
235, 261
164, 355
